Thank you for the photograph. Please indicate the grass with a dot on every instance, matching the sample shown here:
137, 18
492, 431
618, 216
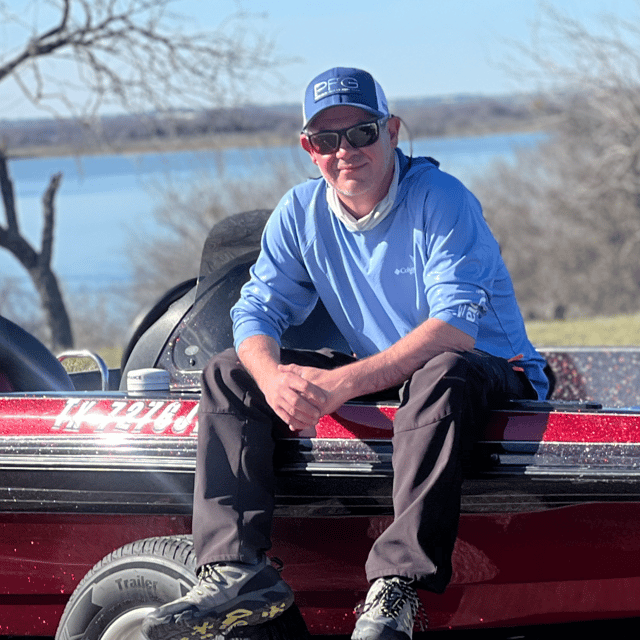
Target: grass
619, 331
111, 355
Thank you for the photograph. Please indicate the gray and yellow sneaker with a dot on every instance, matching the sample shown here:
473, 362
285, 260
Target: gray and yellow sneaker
389, 611
228, 595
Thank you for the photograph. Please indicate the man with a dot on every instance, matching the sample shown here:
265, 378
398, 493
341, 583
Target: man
405, 264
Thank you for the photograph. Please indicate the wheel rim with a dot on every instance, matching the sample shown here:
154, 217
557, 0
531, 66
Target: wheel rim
128, 626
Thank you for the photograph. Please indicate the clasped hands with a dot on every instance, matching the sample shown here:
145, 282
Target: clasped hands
300, 396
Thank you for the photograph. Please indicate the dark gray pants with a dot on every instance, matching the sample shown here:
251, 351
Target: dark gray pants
442, 407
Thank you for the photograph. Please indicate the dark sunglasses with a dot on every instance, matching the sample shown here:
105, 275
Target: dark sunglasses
360, 135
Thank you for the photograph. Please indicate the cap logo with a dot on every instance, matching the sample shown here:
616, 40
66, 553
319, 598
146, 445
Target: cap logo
334, 85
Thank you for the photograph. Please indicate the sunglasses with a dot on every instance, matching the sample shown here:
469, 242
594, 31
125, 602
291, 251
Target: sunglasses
360, 135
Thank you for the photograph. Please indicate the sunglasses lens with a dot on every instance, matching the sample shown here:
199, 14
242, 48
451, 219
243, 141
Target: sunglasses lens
362, 135
325, 142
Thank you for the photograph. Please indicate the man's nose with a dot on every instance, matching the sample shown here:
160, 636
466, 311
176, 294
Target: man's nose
345, 147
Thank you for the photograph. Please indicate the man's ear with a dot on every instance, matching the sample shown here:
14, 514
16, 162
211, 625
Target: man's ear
304, 142
393, 126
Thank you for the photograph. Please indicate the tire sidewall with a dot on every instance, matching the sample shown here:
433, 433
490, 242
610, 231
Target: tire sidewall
117, 586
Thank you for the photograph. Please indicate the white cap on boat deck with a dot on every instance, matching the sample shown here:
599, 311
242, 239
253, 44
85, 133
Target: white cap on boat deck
142, 380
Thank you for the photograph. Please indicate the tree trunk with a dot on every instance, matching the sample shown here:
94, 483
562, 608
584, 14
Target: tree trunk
46, 284
37, 264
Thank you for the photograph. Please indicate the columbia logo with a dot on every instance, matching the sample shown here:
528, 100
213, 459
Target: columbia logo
405, 271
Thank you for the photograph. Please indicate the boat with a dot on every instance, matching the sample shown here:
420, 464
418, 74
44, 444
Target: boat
97, 478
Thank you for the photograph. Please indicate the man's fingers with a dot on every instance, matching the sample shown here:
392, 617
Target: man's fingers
302, 408
297, 401
305, 388
296, 422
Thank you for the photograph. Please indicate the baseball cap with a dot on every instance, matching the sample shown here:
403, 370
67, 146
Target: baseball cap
343, 86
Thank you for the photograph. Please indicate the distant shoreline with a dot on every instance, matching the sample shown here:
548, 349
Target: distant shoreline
220, 141
255, 126
209, 142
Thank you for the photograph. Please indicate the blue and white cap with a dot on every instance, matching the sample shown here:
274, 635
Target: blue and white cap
343, 86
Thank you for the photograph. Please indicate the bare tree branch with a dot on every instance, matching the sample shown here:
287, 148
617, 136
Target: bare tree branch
133, 53
48, 214
576, 201
37, 264
8, 196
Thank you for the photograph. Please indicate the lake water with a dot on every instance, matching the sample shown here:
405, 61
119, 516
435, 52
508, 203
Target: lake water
102, 198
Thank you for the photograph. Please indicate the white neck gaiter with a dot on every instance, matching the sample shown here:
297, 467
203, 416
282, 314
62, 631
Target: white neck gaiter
375, 216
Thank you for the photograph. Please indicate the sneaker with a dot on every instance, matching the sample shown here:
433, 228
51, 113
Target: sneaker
389, 611
228, 595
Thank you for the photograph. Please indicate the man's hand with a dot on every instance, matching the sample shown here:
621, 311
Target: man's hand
295, 400
331, 382
300, 396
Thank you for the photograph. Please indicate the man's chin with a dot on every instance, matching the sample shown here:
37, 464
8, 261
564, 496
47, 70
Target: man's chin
352, 190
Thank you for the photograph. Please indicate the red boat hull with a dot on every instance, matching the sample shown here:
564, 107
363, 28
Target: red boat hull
568, 564
524, 556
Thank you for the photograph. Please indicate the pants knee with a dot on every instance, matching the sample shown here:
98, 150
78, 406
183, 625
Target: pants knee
227, 387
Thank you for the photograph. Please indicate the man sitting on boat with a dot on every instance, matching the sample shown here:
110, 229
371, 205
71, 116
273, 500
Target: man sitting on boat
402, 258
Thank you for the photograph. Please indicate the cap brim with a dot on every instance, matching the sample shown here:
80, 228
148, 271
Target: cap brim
373, 112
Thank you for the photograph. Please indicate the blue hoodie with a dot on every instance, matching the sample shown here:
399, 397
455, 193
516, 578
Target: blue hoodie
433, 256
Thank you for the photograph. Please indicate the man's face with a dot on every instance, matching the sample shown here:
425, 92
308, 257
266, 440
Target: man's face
352, 172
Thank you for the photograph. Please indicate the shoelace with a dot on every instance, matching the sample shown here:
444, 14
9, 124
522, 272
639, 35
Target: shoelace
392, 598
214, 573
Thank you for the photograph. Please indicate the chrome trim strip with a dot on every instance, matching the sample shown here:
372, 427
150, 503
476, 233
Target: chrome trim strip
582, 458
87, 453
124, 452
154, 474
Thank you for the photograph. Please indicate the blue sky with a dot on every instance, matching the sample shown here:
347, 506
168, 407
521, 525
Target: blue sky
415, 48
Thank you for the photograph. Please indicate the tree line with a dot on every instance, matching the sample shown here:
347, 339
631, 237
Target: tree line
434, 117
567, 214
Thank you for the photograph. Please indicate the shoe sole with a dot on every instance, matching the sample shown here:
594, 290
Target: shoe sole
239, 612
379, 632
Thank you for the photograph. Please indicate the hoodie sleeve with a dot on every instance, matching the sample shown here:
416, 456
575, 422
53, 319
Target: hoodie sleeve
279, 292
463, 256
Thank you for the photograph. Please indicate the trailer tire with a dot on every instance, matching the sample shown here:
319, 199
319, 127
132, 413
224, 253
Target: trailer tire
115, 596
